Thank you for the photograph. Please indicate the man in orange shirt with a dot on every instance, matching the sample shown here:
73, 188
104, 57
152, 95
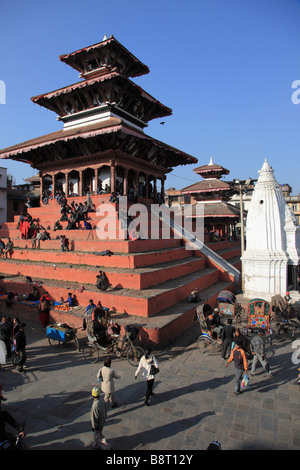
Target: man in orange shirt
240, 363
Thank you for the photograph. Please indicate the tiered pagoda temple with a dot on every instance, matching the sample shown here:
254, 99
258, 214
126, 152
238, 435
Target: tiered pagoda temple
102, 147
219, 215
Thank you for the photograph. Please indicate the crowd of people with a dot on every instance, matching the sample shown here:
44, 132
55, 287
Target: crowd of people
73, 214
238, 348
13, 342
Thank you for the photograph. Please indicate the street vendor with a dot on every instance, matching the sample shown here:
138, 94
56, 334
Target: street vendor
44, 310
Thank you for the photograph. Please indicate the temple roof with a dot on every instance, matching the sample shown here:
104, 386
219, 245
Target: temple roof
105, 56
111, 88
111, 134
104, 114
206, 186
211, 170
213, 209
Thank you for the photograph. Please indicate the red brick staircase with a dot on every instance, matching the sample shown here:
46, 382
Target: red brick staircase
150, 279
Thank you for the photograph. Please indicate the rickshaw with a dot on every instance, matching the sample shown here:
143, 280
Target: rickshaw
259, 316
206, 343
229, 307
285, 315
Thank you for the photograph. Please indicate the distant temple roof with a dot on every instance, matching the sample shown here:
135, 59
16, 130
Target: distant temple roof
222, 210
211, 170
211, 186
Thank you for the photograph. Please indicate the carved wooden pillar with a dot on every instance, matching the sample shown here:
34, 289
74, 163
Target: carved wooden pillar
67, 184
41, 188
125, 182
112, 178
80, 182
163, 188
53, 186
96, 180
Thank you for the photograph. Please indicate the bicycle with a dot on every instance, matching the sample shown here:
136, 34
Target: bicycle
93, 349
208, 345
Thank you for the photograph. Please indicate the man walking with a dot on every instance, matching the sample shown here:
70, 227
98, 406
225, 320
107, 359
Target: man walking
238, 355
107, 384
98, 417
21, 348
227, 337
257, 346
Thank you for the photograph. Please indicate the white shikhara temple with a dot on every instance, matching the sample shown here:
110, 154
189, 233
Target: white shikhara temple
271, 259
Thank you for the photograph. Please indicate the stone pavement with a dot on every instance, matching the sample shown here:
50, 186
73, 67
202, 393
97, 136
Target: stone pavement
193, 403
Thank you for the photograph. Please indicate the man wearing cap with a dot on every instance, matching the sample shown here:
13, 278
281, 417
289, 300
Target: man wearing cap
216, 326
98, 417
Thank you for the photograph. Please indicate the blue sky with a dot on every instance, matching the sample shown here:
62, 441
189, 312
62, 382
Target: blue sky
225, 68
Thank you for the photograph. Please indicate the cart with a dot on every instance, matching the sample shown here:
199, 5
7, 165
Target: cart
259, 316
59, 334
229, 307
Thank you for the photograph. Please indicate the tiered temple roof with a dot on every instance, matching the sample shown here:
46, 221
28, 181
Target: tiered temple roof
104, 116
211, 187
213, 194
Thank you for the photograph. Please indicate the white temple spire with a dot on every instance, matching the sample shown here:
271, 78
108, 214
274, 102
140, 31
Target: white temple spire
271, 241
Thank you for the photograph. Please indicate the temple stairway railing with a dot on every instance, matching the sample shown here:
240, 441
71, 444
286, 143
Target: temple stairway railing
197, 245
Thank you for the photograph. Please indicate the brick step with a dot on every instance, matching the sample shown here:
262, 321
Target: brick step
168, 324
54, 213
135, 279
223, 245
236, 262
77, 234
143, 303
159, 330
112, 231
230, 252
130, 260
116, 246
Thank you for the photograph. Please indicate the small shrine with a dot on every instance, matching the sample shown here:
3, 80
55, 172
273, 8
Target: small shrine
220, 216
